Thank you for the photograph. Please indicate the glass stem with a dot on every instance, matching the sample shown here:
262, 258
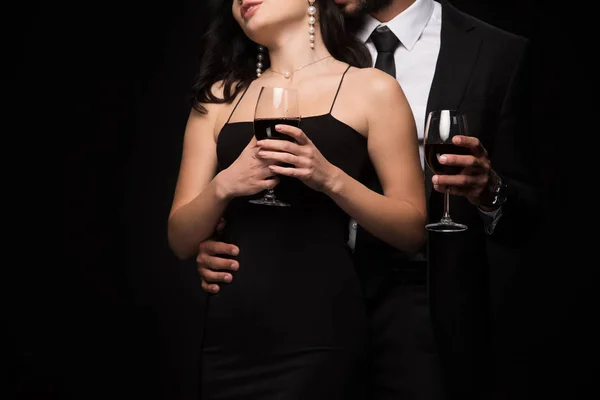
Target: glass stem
446, 216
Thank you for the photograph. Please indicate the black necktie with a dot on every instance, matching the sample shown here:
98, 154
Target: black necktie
386, 44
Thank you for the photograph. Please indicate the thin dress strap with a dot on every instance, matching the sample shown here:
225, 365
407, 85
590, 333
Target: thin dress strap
236, 104
338, 89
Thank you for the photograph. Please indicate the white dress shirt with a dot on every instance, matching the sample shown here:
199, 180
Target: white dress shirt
419, 30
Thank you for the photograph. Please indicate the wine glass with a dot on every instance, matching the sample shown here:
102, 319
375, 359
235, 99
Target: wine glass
441, 126
275, 106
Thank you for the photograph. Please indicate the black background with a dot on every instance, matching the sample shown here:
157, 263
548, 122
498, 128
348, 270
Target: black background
102, 309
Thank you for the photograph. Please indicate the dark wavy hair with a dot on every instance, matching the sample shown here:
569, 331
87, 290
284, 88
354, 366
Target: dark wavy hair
228, 55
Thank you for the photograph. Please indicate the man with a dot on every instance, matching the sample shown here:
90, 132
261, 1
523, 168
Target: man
441, 301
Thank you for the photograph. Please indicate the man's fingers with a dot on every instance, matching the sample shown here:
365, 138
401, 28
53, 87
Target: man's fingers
458, 160
212, 247
217, 263
472, 143
210, 287
459, 180
210, 276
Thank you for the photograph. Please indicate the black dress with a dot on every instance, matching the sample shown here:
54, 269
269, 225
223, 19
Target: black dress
292, 324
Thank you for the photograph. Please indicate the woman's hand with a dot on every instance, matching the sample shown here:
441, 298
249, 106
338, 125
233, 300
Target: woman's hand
247, 175
304, 160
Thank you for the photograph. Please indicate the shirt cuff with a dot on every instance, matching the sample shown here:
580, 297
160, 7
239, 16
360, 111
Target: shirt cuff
352, 234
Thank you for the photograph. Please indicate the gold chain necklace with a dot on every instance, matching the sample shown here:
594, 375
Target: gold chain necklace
288, 74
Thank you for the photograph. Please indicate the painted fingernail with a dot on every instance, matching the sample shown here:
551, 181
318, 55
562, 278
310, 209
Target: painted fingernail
443, 159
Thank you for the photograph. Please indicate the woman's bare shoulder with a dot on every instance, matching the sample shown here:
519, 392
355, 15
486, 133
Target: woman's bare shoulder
374, 81
380, 99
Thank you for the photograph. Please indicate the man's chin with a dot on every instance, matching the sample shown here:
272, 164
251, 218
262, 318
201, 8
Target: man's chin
351, 10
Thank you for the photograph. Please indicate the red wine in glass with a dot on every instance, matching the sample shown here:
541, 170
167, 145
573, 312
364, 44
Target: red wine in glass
264, 128
275, 106
433, 151
441, 126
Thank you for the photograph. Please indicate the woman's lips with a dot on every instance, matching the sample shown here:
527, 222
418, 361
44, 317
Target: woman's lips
249, 8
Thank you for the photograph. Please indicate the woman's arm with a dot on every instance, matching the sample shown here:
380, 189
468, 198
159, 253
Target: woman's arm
199, 200
398, 217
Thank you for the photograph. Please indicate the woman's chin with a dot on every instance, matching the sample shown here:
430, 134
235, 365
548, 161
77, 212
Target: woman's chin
262, 30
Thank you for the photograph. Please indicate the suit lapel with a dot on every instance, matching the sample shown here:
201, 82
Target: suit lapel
459, 50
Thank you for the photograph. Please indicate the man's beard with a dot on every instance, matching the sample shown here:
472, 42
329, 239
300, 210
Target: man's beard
368, 6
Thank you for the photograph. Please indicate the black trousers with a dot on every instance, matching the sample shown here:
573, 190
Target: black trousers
403, 360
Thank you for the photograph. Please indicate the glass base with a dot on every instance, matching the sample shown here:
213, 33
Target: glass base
446, 226
269, 200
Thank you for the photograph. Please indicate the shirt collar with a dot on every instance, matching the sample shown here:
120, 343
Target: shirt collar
407, 26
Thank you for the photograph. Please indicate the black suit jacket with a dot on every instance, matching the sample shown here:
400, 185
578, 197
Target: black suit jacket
484, 72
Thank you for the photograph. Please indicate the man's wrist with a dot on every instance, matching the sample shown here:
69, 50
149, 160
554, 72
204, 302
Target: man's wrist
494, 194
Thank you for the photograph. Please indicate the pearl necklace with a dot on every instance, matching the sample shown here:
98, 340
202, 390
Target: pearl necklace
288, 74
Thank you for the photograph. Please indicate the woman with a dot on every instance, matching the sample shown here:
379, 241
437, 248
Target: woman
274, 333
